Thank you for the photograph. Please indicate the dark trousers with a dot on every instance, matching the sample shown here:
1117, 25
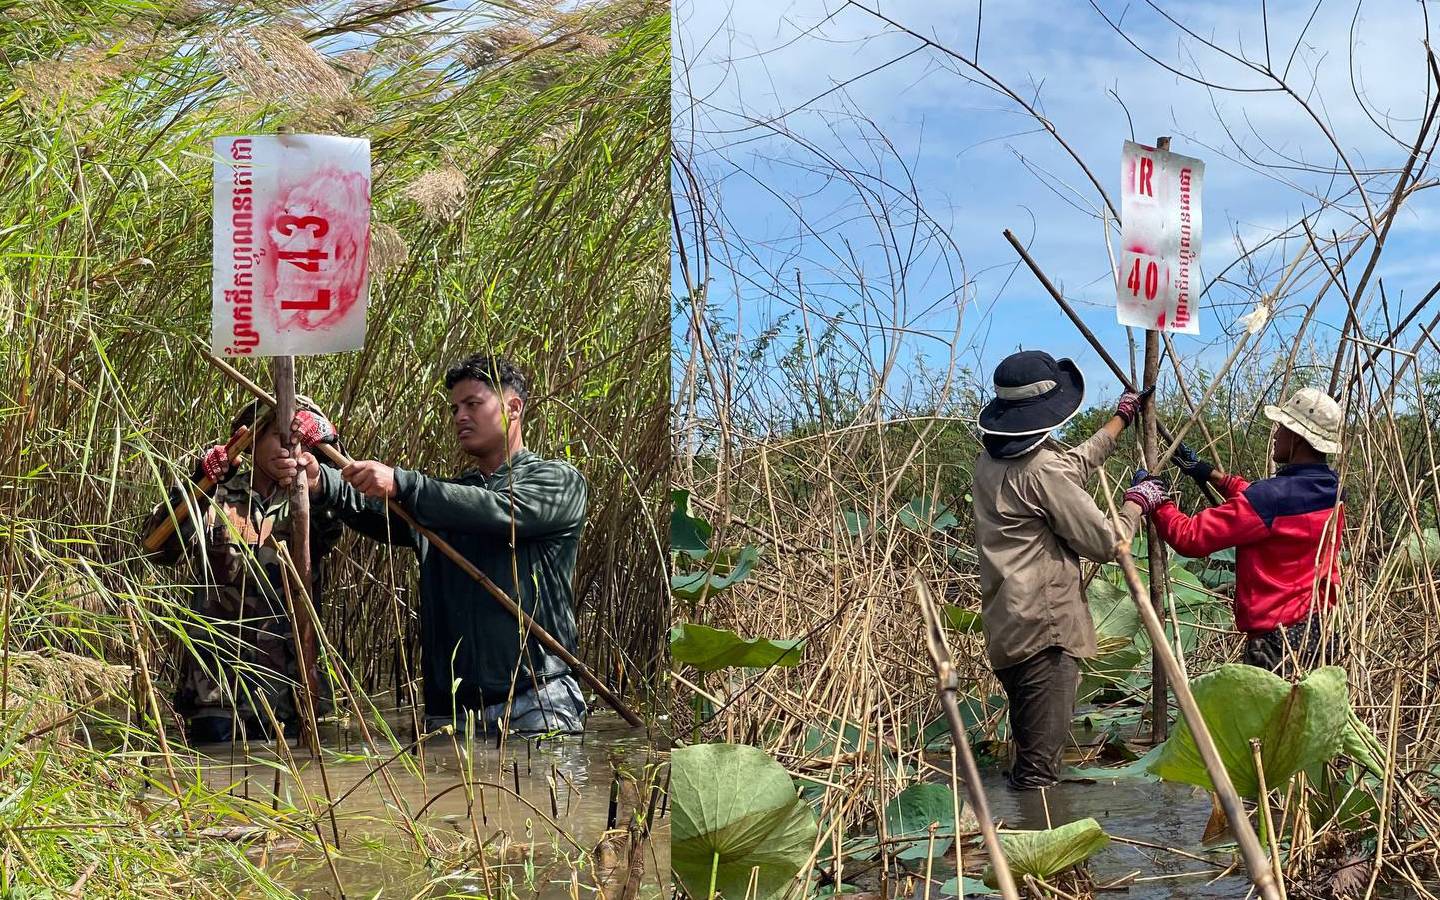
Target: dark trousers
1041, 691
1280, 649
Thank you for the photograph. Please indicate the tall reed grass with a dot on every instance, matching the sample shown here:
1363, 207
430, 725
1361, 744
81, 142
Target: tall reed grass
519, 176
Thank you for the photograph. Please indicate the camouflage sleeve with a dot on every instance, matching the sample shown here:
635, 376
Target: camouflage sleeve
182, 538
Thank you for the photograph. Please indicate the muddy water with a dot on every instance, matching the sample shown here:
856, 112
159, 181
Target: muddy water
536, 805
1157, 813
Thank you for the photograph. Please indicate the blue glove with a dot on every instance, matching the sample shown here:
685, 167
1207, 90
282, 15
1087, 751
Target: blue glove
1191, 464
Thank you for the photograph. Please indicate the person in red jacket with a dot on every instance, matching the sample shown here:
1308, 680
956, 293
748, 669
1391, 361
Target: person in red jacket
1285, 530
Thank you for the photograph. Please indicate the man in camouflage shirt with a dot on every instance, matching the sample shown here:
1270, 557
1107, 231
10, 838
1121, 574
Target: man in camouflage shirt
242, 645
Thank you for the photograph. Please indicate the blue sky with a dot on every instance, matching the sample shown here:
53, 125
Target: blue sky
980, 164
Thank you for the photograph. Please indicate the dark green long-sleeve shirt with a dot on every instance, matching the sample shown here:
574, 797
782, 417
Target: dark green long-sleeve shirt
521, 527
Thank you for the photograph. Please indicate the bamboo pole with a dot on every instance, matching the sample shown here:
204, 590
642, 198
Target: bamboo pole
1268, 302
239, 442
1265, 816
530, 625
1155, 550
1250, 851
946, 686
283, 404
1085, 332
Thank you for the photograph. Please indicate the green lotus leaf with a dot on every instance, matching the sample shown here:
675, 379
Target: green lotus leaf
688, 534
965, 621
1108, 670
1421, 550
1361, 745
1298, 726
1047, 853
856, 522
724, 570
965, 886
1111, 608
922, 515
913, 811
709, 649
735, 816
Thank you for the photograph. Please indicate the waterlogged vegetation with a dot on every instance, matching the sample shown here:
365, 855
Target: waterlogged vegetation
519, 206
739, 829
825, 406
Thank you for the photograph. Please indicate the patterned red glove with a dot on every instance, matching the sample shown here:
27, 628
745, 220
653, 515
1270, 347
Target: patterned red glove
216, 465
312, 428
1147, 493
1128, 406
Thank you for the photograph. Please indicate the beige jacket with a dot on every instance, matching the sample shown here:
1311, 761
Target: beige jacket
1034, 519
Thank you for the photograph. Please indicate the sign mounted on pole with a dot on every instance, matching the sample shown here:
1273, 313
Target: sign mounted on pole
1159, 275
292, 245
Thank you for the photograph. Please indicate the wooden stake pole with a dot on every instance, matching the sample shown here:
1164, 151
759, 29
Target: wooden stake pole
283, 405
947, 684
1155, 549
1085, 332
1260, 871
530, 625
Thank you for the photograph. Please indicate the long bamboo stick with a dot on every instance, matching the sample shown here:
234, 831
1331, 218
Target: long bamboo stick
1260, 871
1159, 559
528, 623
1085, 332
239, 442
946, 685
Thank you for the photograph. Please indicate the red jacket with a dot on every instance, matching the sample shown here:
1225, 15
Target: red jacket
1286, 534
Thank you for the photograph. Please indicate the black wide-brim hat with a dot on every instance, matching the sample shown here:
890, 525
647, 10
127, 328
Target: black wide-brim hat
1034, 393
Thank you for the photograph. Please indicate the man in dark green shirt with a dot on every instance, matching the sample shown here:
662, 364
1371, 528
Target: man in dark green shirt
518, 518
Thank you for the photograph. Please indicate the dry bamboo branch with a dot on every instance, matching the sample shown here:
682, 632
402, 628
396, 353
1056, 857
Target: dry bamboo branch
946, 685
1090, 337
1250, 851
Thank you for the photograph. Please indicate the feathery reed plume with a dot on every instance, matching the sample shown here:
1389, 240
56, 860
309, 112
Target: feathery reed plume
439, 192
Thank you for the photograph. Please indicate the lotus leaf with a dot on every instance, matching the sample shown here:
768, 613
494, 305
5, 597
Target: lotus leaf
911, 814
735, 812
921, 514
688, 534
1047, 853
966, 621
709, 649
725, 569
1297, 727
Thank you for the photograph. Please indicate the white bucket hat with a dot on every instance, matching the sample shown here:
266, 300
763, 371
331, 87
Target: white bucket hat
1313, 415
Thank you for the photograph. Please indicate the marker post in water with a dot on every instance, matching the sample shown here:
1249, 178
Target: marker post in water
291, 278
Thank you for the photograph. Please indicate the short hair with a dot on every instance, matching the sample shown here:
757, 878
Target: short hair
495, 371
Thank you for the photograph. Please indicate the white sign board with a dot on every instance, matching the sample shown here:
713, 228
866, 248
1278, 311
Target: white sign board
1159, 275
292, 244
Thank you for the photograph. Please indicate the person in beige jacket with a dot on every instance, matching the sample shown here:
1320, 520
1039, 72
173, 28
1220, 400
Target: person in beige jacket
1034, 520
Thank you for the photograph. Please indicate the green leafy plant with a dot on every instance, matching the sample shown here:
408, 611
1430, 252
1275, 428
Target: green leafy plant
910, 814
1298, 726
1045, 854
965, 886
735, 816
922, 515
709, 649
965, 621
720, 568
